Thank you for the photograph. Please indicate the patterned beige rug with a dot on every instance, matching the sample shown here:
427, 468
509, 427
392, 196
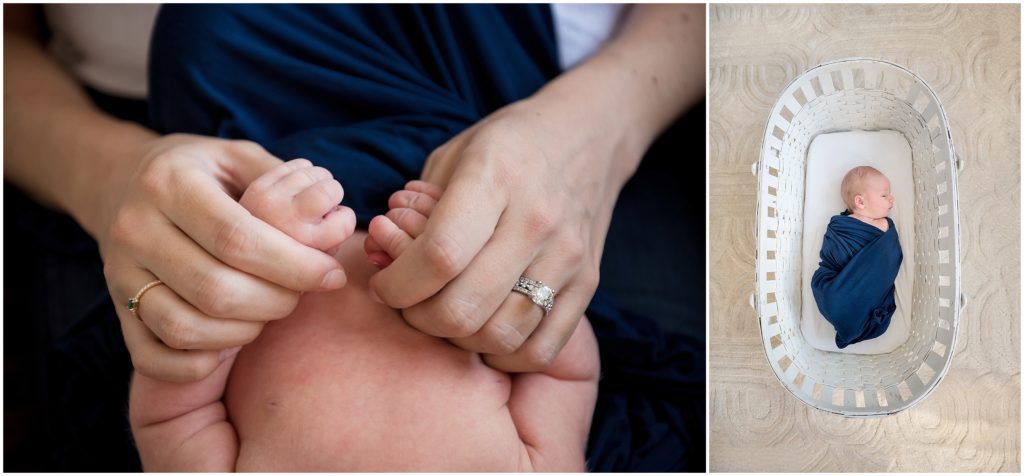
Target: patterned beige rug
970, 54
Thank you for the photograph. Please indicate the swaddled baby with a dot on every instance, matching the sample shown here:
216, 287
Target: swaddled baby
854, 285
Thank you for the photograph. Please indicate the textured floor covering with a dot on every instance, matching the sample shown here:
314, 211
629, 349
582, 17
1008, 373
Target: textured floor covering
970, 54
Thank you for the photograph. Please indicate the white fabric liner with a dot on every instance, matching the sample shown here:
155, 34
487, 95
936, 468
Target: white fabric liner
829, 157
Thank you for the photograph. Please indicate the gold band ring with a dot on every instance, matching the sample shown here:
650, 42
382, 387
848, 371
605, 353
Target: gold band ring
133, 303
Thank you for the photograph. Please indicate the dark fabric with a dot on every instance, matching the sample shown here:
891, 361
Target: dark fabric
649, 314
66, 368
854, 285
653, 262
650, 406
366, 91
369, 91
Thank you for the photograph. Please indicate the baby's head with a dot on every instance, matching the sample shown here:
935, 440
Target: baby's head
866, 192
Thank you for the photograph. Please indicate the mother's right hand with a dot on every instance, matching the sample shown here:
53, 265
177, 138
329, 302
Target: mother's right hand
176, 218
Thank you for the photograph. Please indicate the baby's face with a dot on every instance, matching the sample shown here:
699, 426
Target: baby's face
877, 197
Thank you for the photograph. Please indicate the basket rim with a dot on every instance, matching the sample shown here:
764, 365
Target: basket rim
954, 209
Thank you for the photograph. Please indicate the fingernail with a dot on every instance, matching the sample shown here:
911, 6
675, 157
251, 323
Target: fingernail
373, 295
333, 280
227, 353
379, 259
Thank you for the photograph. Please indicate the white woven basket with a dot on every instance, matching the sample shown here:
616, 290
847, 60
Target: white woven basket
858, 94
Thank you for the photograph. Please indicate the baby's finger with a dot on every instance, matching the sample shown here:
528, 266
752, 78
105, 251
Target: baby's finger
371, 246
463, 221
215, 225
318, 200
389, 235
408, 220
336, 227
299, 179
428, 188
380, 259
265, 181
375, 253
419, 201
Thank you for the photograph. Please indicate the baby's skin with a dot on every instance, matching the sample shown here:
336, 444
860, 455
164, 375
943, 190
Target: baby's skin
867, 194
343, 384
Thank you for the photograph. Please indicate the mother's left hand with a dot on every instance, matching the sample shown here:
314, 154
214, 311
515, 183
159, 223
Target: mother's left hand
530, 192
520, 199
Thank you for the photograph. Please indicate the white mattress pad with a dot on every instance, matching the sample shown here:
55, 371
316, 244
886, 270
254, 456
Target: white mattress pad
829, 157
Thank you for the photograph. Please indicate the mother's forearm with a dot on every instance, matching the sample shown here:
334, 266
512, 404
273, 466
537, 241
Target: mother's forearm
58, 147
638, 83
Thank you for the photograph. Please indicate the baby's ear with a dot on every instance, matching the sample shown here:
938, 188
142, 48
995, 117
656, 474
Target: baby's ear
858, 201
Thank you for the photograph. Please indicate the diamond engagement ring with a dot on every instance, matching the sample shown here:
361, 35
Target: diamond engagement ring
541, 294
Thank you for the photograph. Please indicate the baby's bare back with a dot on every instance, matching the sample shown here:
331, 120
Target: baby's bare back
344, 384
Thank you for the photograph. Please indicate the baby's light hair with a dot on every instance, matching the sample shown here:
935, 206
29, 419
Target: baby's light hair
853, 183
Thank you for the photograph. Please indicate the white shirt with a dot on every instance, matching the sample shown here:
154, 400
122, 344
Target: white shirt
104, 46
581, 29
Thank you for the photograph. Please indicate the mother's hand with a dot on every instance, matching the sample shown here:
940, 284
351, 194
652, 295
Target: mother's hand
176, 218
531, 188
522, 198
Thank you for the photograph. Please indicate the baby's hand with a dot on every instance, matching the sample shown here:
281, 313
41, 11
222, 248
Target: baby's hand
303, 201
390, 234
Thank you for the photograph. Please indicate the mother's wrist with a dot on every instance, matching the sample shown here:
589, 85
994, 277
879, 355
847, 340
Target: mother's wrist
637, 84
103, 171
593, 124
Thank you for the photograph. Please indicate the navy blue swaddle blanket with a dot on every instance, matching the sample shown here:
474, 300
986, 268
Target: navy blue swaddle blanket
368, 92
854, 285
